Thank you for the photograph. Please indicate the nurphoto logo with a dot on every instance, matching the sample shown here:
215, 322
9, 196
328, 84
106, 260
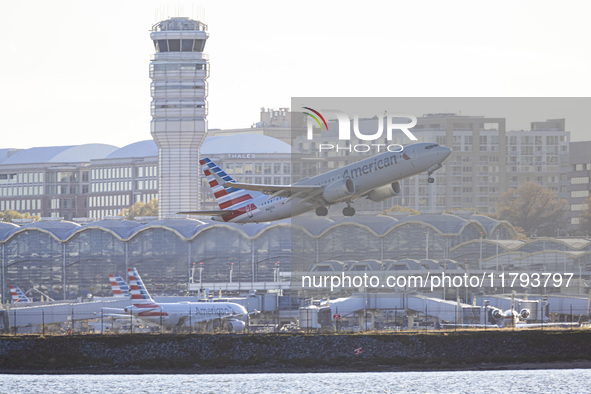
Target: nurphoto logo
317, 119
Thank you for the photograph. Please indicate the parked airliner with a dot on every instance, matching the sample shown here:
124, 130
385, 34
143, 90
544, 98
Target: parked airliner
511, 318
118, 285
18, 295
375, 178
179, 314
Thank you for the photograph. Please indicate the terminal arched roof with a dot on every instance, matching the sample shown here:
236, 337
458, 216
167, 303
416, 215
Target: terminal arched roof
60, 229
187, 228
379, 224
243, 143
315, 226
489, 224
61, 154
6, 229
445, 223
124, 229
145, 148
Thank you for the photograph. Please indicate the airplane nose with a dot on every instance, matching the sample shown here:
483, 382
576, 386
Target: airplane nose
445, 151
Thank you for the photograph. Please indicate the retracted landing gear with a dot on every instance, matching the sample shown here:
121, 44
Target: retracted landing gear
321, 211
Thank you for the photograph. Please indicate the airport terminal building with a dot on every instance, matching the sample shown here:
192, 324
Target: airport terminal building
65, 260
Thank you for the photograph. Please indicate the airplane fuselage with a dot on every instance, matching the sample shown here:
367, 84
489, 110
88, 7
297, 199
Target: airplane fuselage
366, 175
178, 314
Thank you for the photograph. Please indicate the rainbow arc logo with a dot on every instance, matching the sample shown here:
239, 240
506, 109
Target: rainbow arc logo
315, 118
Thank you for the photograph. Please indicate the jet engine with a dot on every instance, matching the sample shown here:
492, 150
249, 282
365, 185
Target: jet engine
235, 325
384, 192
339, 190
524, 313
496, 314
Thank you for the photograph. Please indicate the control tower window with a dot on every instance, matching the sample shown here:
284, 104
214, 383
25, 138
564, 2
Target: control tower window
174, 45
187, 45
162, 46
198, 47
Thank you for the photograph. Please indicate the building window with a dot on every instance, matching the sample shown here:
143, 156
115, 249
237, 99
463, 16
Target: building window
579, 179
174, 45
162, 46
187, 45
579, 193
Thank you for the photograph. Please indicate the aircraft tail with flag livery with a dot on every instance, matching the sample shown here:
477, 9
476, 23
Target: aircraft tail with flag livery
143, 304
233, 202
18, 295
120, 288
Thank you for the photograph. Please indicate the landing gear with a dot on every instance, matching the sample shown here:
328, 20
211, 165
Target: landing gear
321, 211
431, 170
348, 211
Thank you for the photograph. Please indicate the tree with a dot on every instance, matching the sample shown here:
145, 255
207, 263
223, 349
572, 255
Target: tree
9, 216
586, 218
140, 209
533, 207
400, 208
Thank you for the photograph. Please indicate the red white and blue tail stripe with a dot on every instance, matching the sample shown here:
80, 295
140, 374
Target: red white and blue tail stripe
227, 197
120, 288
140, 297
18, 295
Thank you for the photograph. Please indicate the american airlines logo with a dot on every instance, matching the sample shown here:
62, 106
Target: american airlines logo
317, 119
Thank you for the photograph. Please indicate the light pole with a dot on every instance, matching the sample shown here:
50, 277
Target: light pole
276, 272
427, 245
580, 278
497, 250
543, 307
486, 304
480, 261
231, 271
200, 275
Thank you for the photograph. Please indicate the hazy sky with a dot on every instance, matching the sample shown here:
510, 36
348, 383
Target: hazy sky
75, 72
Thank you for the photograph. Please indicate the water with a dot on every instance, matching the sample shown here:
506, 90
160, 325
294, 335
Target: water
517, 381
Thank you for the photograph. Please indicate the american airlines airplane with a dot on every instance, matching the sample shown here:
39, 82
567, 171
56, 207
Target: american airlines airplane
376, 178
180, 314
18, 295
120, 288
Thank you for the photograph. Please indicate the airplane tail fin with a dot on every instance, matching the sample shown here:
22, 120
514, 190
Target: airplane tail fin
18, 295
120, 288
140, 297
227, 197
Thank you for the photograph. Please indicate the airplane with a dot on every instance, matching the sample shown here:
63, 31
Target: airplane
179, 314
120, 288
512, 318
376, 178
18, 295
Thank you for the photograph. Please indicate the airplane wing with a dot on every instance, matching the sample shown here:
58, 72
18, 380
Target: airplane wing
218, 212
277, 190
292, 191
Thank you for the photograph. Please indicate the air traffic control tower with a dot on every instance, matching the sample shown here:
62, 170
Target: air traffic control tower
179, 70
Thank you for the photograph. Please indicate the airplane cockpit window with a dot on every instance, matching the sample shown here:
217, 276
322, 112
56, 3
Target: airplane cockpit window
431, 146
